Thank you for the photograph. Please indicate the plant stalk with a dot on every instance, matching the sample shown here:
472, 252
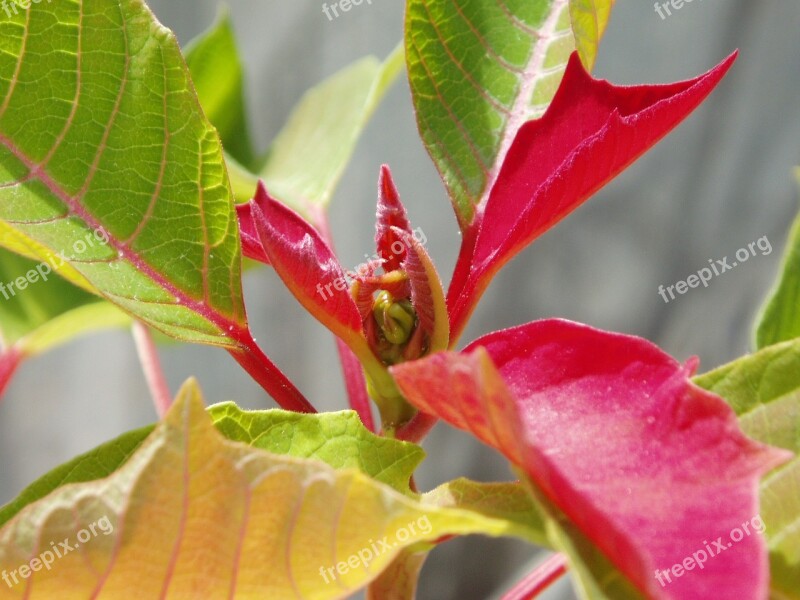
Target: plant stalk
541, 578
151, 366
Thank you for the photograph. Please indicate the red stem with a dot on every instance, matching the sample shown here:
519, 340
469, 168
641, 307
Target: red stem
151, 366
461, 301
417, 428
270, 377
541, 578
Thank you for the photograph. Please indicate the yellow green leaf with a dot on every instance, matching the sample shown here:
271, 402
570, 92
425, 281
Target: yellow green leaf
194, 515
589, 21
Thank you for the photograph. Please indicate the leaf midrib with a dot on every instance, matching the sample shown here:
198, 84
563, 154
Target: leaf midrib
519, 115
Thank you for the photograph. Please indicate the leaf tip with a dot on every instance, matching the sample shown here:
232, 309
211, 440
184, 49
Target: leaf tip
188, 401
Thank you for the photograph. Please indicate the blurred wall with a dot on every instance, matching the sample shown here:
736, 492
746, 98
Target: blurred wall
721, 181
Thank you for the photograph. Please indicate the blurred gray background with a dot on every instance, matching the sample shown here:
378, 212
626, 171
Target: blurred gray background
721, 181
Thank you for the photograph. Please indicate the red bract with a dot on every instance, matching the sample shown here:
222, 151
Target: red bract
649, 466
590, 133
251, 244
306, 265
391, 213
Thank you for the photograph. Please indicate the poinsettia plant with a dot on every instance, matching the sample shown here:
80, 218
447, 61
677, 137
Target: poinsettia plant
130, 194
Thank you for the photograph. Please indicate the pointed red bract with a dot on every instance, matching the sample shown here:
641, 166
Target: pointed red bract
391, 213
590, 133
306, 265
251, 244
421, 288
610, 428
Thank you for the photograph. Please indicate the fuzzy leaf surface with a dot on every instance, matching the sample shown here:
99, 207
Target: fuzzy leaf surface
337, 439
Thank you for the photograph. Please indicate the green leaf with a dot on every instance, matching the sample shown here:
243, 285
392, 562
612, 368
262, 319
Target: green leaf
13, 240
338, 439
308, 157
190, 498
480, 69
780, 317
243, 182
508, 501
764, 390
116, 148
589, 21
218, 77
95, 464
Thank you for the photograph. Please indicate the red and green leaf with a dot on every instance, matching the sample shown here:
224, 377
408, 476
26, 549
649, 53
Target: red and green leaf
116, 174
614, 434
479, 69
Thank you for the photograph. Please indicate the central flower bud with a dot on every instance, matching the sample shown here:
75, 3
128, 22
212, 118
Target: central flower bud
393, 329
396, 320
401, 303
